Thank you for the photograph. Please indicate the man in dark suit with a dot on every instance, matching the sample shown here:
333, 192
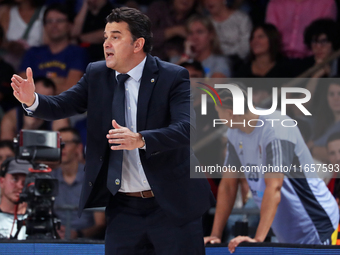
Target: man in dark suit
140, 168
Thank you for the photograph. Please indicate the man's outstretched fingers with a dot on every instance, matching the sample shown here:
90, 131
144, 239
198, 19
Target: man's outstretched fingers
18, 78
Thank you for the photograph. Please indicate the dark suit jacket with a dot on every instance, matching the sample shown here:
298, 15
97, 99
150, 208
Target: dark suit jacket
163, 118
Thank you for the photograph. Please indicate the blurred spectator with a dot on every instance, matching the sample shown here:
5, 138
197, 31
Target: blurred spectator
266, 58
291, 17
88, 27
232, 27
15, 120
81, 126
70, 175
333, 151
203, 45
12, 180
168, 19
23, 26
6, 150
323, 38
7, 100
327, 118
58, 60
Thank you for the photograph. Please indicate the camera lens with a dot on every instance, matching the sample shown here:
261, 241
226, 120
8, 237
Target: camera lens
44, 187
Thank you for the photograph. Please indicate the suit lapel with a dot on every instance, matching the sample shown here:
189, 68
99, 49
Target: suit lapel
148, 81
107, 98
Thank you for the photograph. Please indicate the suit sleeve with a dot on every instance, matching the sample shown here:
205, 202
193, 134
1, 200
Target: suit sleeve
70, 102
182, 119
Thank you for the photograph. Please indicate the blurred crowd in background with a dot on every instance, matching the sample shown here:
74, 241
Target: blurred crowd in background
211, 38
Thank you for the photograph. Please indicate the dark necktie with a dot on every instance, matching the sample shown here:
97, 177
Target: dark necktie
114, 174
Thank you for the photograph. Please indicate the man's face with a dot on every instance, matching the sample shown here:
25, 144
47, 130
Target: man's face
57, 26
71, 149
321, 47
333, 149
11, 186
118, 46
199, 36
5, 153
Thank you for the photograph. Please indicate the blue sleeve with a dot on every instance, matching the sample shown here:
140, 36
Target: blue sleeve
280, 153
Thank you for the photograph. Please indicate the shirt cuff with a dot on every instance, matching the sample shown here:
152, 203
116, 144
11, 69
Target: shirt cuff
33, 107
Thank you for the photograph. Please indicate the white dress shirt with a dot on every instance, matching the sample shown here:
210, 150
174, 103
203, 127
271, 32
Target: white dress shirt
133, 175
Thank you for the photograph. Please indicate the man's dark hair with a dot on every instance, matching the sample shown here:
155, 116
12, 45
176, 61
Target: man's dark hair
323, 26
274, 38
47, 83
75, 132
7, 144
62, 8
194, 64
139, 24
333, 137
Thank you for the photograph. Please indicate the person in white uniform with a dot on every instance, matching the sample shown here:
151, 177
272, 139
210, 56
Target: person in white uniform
293, 201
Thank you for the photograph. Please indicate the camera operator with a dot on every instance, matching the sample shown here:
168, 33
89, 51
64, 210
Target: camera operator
70, 176
12, 180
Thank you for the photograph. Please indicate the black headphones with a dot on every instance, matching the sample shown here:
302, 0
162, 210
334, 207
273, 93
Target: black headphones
4, 166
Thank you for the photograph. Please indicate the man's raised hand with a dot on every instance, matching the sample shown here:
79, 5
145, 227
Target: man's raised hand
23, 89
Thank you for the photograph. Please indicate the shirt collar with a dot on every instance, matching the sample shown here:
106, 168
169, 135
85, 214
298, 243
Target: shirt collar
136, 72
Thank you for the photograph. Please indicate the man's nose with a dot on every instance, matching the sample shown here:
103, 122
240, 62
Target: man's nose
106, 44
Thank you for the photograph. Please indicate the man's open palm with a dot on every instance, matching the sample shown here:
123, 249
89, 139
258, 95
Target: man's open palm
23, 89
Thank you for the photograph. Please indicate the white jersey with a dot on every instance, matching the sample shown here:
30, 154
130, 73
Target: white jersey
307, 213
6, 223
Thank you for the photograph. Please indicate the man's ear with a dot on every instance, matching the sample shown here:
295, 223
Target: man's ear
138, 44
